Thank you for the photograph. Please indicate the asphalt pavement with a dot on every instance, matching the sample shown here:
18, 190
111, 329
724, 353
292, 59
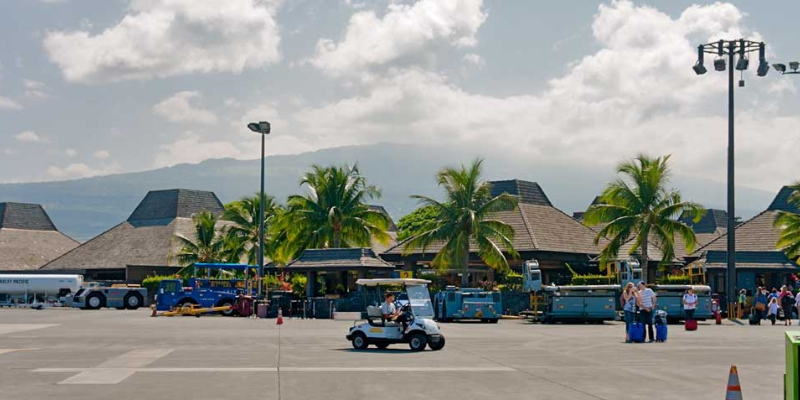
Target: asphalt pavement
111, 354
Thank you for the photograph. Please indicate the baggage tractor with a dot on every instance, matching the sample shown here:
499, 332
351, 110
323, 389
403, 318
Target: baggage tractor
636, 332
690, 325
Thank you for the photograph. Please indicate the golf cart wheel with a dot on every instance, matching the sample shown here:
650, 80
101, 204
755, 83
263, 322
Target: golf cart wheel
418, 341
437, 345
360, 341
382, 346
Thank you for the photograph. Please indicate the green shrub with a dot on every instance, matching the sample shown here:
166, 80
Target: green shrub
151, 283
299, 282
510, 282
675, 280
592, 279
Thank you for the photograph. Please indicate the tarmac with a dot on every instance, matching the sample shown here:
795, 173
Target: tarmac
112, 354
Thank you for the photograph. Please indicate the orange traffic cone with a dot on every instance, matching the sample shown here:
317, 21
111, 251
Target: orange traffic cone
734, 390
280, 317
153, 307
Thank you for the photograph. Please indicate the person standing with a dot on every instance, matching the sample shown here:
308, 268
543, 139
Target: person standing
647, 303
772, 313
689, 303
786, 300
740, 303
629, 299
760, 304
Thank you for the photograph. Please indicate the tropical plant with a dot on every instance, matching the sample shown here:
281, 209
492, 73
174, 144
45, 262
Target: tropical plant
466, 216
333, 214
151, 283
675, 280
242, 236
789, 224
414, 223
638, 205
208, 245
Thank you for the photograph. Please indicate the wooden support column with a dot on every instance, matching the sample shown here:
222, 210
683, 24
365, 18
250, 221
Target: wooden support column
311, 284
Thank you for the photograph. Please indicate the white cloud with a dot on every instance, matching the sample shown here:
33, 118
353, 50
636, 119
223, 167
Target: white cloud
161, 38
474, 59
8, 104
80, 170
101, 154
191, 149
30, 137
404, 32
71, 153
178, 109
604, 108
35, 89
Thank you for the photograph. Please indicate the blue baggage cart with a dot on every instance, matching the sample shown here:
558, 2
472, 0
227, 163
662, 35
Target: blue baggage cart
453, 304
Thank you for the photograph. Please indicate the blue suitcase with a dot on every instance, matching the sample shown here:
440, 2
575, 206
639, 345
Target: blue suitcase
636, 332
661, 333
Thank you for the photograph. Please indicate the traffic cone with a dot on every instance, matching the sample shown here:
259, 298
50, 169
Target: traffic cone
280, 317
734, 390
719, 318
153, 307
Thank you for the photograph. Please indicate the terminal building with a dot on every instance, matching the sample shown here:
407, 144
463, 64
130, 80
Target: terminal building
143, 244
28, 238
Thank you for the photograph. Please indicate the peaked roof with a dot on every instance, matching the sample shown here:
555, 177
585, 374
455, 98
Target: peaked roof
338, 259
147, 237
714, 221
28, 238
381, 209
175, 203
525, 191
25, 216
538, 226
781, 201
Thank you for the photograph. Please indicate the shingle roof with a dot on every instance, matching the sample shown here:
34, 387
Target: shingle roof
175, 203
713, 222
338, 259
381, 209
25, 216
756, 234
750, 260
147, 237
538, 228
782, 203
525, 191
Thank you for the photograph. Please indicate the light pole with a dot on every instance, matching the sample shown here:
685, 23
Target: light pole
263, 128
794, 65
731, 48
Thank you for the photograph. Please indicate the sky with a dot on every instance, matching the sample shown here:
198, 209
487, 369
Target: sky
95, 87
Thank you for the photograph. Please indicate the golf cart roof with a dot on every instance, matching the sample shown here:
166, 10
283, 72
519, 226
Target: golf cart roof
392, 281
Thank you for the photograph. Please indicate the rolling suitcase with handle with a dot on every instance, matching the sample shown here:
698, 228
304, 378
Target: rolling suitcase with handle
636, 332
690, 325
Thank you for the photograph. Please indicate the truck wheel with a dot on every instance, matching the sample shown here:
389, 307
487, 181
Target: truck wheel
360, 341
437, 345
230, 312
418, 341
95, 301
133, 301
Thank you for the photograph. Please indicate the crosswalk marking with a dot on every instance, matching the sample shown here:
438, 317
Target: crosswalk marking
130, 371
116, 369
12, 328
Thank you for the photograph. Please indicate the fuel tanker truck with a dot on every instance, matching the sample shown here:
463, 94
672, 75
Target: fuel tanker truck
25, 288
597, 303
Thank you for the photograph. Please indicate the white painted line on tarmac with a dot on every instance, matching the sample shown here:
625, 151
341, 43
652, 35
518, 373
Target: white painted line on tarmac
4, 351
114, 370
12, 328
90, 371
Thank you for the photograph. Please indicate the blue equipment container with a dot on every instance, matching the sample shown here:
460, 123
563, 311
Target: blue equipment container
670, 299
462, 304
580, 303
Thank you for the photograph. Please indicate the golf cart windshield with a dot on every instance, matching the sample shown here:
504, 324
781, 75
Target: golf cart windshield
420, 301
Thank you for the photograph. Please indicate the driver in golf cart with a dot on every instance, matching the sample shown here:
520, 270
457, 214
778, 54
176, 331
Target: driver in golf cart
391, 313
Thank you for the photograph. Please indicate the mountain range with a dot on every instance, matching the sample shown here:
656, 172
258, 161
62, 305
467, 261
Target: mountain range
83, 208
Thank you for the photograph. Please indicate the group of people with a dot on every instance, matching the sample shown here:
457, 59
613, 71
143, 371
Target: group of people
767, 305
644, 299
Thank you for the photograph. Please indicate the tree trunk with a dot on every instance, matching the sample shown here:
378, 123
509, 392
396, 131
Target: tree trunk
337, 238
465, 269
644, 261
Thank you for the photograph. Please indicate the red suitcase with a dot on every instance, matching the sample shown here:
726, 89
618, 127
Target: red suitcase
690, 325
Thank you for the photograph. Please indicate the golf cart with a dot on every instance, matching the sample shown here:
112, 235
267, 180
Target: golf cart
415, 302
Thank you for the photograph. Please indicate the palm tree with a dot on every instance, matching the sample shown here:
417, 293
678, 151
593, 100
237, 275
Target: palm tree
466, 216
242, 235
639, 205
208, 245
789, 224
333, 213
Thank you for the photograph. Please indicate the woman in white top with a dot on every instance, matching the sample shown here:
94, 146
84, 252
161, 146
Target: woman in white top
689, 303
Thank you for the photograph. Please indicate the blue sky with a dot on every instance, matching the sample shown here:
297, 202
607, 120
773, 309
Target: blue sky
92, 87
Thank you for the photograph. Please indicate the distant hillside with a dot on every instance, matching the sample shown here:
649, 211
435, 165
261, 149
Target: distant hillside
85, 207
